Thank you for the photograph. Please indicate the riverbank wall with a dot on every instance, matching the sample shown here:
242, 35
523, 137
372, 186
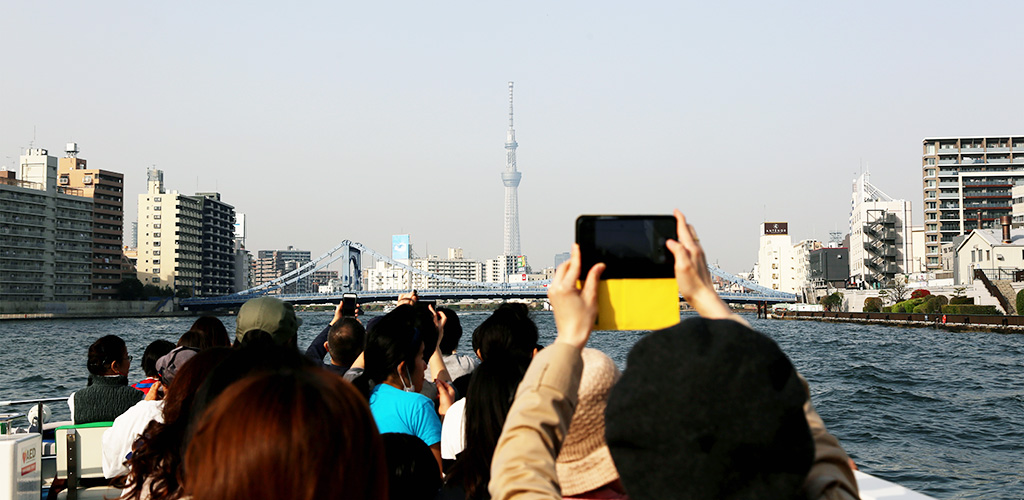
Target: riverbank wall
953, 322
20, 310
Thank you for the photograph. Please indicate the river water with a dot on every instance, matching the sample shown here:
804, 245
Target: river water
938, 412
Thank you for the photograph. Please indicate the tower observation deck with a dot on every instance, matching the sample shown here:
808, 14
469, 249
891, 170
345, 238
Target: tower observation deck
510, 178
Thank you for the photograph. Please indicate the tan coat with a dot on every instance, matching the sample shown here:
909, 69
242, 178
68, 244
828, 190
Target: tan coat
523, 466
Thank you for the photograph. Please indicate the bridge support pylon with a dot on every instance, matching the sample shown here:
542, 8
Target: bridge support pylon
352, 269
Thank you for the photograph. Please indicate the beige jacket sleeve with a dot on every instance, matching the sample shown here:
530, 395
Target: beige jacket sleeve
831, 477
523, 466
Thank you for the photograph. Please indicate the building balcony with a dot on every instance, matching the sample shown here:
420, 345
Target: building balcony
949, 184
997, 149
949, 196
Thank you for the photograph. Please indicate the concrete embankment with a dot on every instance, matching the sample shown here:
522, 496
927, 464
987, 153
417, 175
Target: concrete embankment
954, 322
11, 310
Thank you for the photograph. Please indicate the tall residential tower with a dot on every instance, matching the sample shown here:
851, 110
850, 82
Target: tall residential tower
511, 177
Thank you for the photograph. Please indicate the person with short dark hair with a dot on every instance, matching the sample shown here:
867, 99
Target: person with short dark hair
154, 351
458, 364
108, 393
345, 343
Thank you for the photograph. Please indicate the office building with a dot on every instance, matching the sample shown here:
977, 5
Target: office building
967, 182
438, 273
46, 239
880, 235
505, 269
106, 189
776, 258
829, 268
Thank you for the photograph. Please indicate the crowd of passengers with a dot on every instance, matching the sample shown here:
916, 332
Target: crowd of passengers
706, 409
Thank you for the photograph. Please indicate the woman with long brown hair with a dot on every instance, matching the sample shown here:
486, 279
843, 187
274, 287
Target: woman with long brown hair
300, 434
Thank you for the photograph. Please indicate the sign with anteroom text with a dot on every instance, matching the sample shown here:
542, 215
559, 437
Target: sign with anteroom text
776, 228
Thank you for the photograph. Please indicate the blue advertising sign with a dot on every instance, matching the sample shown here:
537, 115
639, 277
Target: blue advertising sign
399, 246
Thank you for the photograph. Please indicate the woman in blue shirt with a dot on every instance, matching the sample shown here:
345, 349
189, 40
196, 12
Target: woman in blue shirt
395, 359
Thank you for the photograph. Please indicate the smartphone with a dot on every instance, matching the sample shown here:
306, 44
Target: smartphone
348, 305
425, 304
638, 290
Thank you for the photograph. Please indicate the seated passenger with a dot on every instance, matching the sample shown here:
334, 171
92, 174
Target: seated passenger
154, 351
412, 471
743, 428
395, 358
270, 319
458, 365
585, 467
108, 393
206, 332
300, 434
120, 438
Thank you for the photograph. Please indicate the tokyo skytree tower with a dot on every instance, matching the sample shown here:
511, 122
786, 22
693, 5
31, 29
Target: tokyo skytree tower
511, 177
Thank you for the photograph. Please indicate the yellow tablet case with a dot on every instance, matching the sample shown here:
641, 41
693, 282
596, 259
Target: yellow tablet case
637, 304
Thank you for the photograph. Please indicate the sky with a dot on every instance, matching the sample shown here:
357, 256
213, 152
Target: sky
325, 121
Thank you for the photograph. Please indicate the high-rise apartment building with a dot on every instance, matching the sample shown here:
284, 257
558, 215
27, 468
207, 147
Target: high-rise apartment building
106, 189
219, 264
185, 241
967, 183
272, 264
170, 236
45, 234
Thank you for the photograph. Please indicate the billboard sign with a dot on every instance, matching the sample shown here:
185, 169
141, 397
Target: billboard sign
400, 246
776, 228
239, 226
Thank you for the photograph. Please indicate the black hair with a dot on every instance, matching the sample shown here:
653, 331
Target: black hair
206, 332
106, 350
390, 341
508, 332
412, 468
346, 340
452, 331
154, 351
491, 390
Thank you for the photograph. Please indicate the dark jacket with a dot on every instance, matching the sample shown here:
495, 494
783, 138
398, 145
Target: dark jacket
105, 399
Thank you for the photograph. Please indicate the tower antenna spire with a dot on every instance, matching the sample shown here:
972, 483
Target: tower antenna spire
510, 178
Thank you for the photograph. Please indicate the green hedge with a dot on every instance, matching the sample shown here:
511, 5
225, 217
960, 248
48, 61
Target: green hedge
971, 309
887, 309
1020, 303
872, 304
961, 300
907, 306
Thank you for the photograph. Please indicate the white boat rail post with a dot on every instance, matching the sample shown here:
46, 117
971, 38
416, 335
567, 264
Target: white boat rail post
39, 409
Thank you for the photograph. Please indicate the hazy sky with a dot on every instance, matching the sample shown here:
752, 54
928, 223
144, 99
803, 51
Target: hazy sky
359, 120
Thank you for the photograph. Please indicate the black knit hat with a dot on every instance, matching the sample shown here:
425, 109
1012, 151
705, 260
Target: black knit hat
709, 409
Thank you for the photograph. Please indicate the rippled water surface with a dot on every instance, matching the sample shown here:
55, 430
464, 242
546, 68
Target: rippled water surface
938, 412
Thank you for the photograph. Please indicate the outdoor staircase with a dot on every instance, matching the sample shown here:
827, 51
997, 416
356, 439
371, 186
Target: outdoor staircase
1004, 288
1000, 290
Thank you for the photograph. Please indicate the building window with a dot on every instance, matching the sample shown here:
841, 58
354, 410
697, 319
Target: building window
988, 255
972, 256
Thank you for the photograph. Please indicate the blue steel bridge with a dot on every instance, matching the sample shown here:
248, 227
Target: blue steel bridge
732, 289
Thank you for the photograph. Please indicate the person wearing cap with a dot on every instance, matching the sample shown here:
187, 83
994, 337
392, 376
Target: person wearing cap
119, 439
659, 446
265, 318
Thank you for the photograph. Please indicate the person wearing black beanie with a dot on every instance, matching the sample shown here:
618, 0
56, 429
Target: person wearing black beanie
706, 409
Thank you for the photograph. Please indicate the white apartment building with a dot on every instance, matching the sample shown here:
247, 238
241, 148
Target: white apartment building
802, 264
46, 234
384, 276
505, 269
880, 235
776, 259
170, 251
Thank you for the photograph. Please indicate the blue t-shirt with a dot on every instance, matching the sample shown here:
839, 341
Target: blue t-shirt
405, 413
